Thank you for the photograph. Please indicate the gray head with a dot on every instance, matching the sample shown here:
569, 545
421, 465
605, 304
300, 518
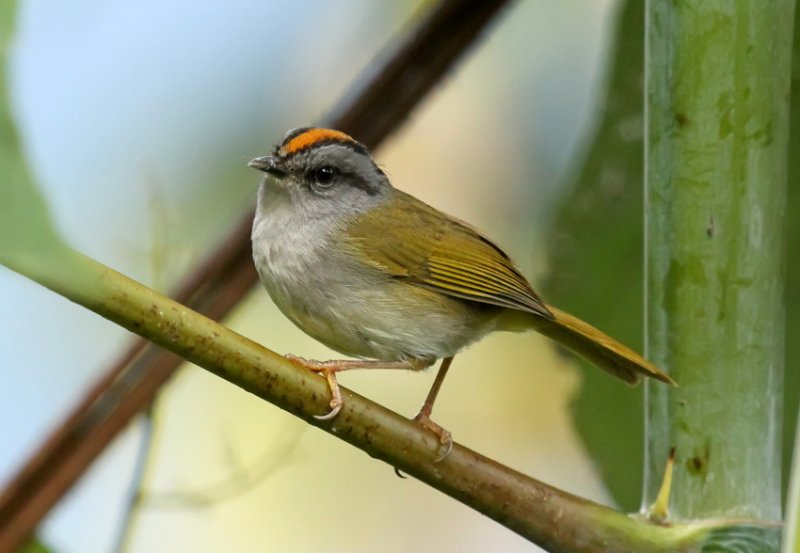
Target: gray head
321, 172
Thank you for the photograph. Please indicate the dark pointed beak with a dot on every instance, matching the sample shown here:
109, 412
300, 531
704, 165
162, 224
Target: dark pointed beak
268, 164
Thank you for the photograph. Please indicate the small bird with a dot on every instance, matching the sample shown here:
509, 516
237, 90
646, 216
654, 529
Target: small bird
376, 274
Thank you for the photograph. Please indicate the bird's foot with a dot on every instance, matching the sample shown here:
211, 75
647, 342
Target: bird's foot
445, 438
329, 370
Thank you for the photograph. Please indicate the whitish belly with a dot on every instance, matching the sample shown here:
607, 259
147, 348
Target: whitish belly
361, 313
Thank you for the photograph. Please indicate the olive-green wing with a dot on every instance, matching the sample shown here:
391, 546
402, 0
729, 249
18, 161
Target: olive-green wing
413, 241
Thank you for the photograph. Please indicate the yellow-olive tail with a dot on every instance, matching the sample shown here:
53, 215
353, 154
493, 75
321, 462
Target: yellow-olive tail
596, 346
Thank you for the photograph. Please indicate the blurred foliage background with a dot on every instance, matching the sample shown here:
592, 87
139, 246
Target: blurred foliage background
137, 121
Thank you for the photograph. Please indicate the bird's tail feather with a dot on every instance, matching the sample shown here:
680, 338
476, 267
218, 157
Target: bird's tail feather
596, 346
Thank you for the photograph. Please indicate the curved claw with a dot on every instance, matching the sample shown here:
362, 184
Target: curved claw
445, 438
335, 408
336, 400
448, 448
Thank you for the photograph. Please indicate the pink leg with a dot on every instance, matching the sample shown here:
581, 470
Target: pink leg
330, 368
424, 415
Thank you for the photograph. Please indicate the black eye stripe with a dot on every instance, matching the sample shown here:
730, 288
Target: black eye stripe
363, 184
323, 177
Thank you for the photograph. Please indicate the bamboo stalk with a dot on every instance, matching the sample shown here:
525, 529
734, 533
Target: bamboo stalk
717, 104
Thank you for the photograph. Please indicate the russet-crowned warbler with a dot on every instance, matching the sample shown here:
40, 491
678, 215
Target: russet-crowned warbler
377, 274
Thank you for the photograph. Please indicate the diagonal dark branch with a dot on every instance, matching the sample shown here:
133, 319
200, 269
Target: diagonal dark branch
376, 109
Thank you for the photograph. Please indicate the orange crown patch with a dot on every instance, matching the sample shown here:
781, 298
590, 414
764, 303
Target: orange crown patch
313, 136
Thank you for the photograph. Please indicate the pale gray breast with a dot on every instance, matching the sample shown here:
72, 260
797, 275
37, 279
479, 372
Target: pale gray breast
288, 251
351, 307
307, 279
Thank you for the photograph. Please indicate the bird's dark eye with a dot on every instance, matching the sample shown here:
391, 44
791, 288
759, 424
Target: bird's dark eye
325, 175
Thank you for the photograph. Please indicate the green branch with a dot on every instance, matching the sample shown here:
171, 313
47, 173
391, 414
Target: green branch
554, 519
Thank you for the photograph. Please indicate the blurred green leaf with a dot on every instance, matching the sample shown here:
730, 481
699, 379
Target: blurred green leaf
35, 546
596, 268
26, 231
597, 256
27, 235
